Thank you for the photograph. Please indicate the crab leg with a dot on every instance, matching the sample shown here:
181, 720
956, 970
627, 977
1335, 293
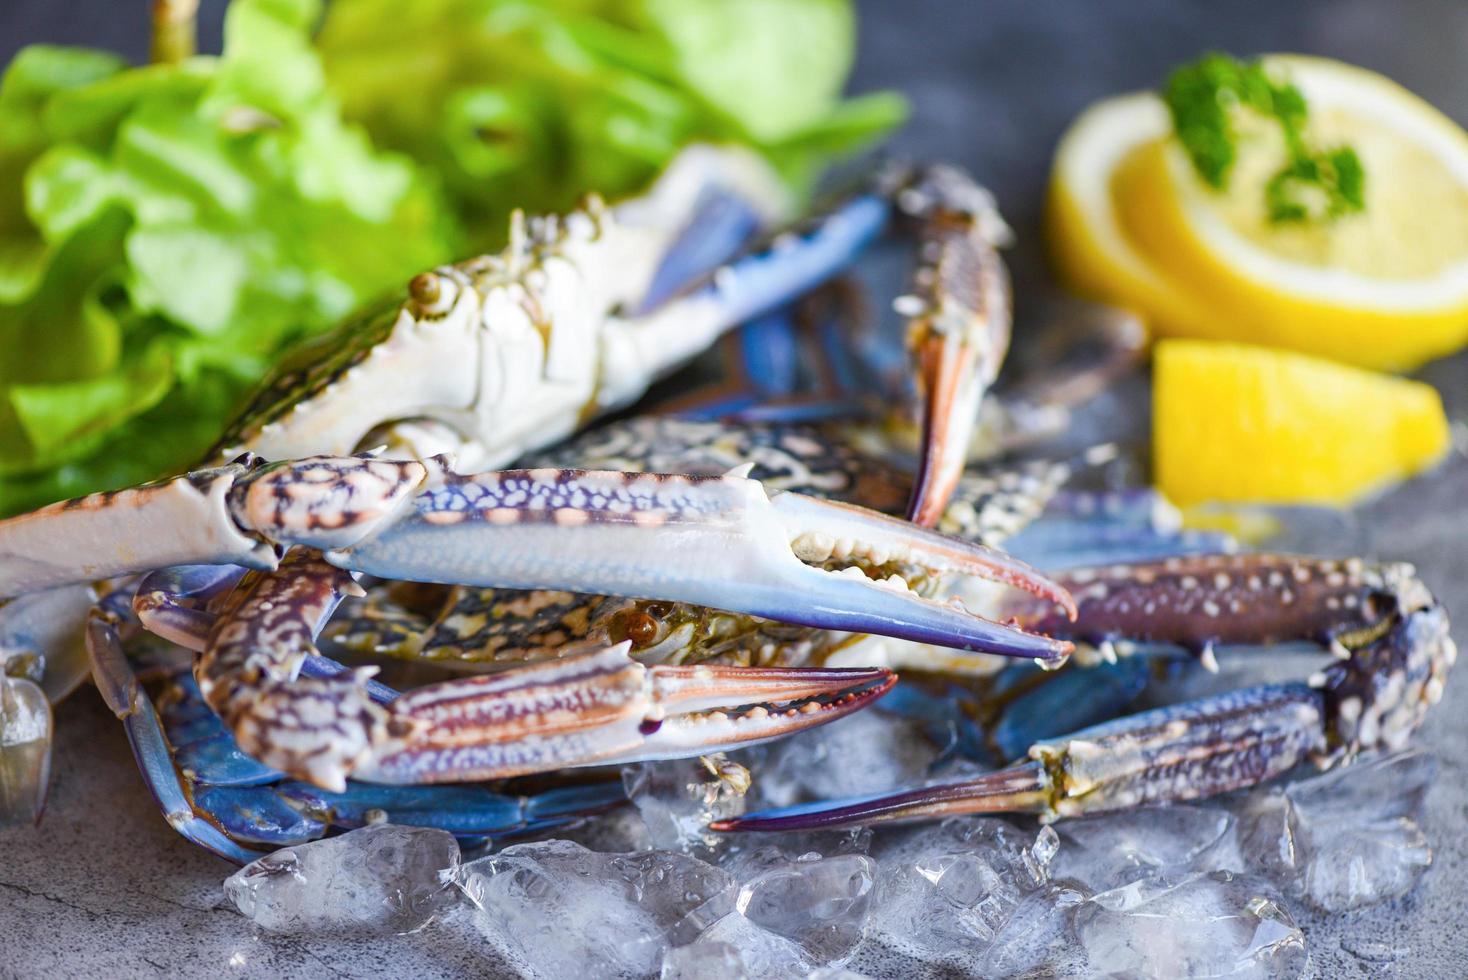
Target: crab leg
209, 810
595, 707
959, 320
1396, 660
167, 601
1201, 601
123, 694
602, 708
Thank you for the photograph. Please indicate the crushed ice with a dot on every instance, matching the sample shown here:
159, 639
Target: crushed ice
1210, 889
381, 879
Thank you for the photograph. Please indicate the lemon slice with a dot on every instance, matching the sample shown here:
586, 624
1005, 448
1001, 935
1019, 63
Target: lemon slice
1239, 423
1131, 222
1090, 248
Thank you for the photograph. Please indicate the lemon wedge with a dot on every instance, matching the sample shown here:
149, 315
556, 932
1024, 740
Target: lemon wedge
1239, 423
1130, 222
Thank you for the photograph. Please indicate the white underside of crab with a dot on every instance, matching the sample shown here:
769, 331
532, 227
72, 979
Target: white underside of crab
517, 350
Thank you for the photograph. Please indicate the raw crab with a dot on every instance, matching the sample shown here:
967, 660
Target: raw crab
1391, 654
488, 359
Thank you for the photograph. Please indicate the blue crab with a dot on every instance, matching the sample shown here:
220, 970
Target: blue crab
487, 360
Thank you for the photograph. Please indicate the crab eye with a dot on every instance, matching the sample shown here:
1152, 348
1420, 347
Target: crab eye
634, 625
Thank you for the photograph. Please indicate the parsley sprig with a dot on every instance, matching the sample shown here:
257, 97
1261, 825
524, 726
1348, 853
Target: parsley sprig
1314, 184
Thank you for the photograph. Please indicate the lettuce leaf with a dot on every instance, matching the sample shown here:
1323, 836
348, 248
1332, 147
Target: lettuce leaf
166, 230
530, 104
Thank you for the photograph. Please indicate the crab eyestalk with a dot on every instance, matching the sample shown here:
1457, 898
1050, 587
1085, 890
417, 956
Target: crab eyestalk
1394, 661
959, 321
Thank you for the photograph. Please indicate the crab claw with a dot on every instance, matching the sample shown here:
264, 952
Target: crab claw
959, 321
722, 542
601, 707
953, 378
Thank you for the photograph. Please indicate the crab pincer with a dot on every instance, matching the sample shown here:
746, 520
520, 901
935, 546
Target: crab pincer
959, 322
725, 542
1393, 654
596, 706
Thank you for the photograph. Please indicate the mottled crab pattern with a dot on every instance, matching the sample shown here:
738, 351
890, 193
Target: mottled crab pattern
488, 359
1387, 635
1389, 652
468, 625
772, 553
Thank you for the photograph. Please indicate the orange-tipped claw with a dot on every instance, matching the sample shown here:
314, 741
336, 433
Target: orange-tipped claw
959, 322
599, 707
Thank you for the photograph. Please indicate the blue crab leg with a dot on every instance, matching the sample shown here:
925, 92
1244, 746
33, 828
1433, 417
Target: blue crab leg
161, 605
165, 601
257, 815
723, 542
721, 225
225, 819
514, 723
1200, 601
1375, 696
464, 811
121, 691
255, 804
1170, 754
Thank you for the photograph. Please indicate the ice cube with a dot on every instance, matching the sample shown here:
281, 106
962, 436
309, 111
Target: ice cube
1360, 837
1106, 851
746, 855
569, 911
867, 752
678, 799
702, 960
619, 832
25, 750
1266, 837
382, 879
821, 903
762, 954
949, 892
1195, 925
1038, 937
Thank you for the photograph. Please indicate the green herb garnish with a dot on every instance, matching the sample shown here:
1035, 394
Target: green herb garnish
1314, 185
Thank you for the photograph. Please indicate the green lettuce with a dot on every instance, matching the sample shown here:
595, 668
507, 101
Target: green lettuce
529, 104
166, 230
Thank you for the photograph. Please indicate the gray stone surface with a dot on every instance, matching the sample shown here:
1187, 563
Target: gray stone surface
102, 887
